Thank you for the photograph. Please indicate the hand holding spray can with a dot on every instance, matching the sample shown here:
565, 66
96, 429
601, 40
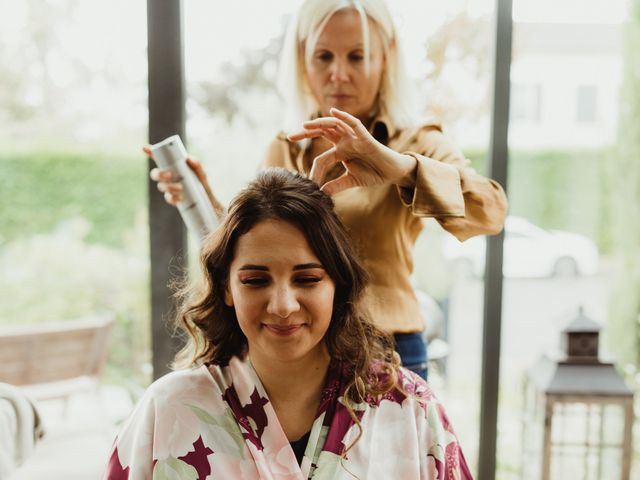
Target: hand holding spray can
195, 208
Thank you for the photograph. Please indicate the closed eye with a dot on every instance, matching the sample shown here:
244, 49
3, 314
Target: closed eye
254, 281
324, 56
308, 280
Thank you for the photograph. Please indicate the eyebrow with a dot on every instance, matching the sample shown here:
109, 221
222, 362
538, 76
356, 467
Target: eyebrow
356, 46
263, 268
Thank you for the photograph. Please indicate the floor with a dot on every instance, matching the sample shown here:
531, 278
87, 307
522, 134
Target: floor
78, 437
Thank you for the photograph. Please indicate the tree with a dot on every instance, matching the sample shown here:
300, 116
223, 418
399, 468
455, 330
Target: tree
460, 47
625, 303
256, 72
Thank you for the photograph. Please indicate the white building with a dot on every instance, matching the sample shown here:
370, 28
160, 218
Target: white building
565, 81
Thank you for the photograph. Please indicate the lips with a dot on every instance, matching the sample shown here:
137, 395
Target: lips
283, 330
340, 97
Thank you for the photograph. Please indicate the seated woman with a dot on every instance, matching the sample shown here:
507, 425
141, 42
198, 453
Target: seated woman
288, 379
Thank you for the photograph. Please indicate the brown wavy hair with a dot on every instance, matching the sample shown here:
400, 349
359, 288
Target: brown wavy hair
212, 326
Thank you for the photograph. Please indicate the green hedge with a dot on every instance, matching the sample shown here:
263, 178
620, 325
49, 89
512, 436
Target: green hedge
560, 189
73, 242
39, 189
567, 190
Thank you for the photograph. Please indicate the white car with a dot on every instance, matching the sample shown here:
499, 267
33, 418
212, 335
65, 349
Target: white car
529, 252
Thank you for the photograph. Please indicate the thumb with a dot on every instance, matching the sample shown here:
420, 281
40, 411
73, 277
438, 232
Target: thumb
196, 166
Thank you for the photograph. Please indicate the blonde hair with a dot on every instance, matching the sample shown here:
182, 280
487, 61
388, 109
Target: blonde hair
304, 30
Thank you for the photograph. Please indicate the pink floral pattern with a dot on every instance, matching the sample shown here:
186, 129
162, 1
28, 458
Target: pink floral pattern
217, 422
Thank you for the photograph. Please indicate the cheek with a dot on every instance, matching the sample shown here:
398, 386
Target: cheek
246, 307
323, 307
314, 80
374, 80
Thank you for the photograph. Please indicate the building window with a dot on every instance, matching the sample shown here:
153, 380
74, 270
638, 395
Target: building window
525, 103
587, 104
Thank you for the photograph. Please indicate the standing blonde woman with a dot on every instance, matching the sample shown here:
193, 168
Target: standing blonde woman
349, 127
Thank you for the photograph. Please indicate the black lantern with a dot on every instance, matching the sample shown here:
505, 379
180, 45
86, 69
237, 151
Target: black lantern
578, 413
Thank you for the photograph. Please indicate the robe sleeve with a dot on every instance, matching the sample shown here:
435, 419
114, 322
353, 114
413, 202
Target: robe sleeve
450, 190
444, 454
441, 454
132, 452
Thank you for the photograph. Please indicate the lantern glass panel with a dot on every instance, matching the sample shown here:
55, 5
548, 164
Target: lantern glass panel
567, 461
613, 425
594, 424
583, 462
532, 434
571, 422
586, 441
611, 463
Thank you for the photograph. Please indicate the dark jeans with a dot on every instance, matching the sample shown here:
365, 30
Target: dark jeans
413, 352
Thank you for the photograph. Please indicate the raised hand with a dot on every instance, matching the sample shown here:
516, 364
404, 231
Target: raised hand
173, 190
367, 162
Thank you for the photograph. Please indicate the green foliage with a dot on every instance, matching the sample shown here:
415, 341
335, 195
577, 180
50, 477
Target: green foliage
60, 276
560, 189
75, 242
624, 332
41, 188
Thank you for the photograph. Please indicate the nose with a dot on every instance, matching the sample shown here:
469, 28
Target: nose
283, 302
339, 72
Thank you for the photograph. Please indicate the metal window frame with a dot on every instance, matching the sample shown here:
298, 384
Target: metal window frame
167, 233
498, 158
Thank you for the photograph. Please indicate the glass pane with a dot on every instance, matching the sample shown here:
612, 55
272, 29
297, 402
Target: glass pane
570, 423
447, 270
235, 112
611, 465
73, 242
232, 104
568, 241
613, 425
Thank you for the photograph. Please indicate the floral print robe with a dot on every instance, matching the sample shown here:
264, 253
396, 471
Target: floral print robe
216, 422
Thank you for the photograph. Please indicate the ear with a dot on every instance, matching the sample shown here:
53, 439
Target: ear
228, 298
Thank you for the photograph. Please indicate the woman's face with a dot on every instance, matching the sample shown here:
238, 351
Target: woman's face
336, 72
281, 293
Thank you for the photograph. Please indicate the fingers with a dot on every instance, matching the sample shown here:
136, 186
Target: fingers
321, 165
340, 184
172, 198
301, 135
159, 175
173, 188
333, 134
172, 192
331, 128
347, 118
328, 122
197, 168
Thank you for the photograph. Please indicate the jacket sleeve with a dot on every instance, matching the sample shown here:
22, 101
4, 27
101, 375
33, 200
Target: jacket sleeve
450, 190
275, 155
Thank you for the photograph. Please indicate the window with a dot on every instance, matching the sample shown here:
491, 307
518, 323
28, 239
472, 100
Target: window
587, 104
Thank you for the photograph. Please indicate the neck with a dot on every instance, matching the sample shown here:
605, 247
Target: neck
287, 381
